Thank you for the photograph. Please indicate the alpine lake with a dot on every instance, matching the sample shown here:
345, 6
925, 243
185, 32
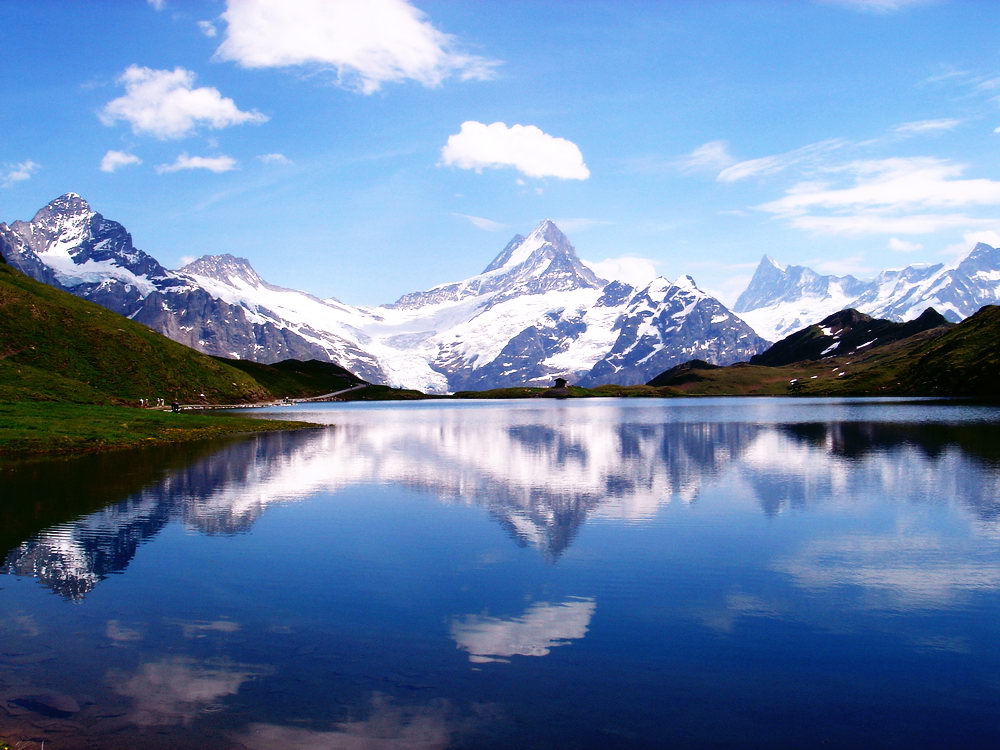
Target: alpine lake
605, 573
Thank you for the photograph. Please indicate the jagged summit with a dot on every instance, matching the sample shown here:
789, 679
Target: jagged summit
545, 235
225, 267
543, 261
66, 203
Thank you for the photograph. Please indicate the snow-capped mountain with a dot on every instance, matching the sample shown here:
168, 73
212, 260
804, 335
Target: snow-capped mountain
217, 304
534, 313
781, 300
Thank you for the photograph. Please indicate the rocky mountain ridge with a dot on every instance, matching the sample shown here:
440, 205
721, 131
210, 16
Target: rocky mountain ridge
782, 299
535, 312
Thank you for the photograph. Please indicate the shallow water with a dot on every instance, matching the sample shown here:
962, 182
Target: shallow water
604, 573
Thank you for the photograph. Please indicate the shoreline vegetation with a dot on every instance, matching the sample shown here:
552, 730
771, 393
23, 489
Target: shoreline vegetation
56, 429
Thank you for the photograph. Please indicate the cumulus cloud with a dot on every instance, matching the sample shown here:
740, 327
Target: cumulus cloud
275, 159
207, 28
115, 160
480, 223
629, 268
367, 44
913, 195
165, 104
19, 172
526, 148
211, 163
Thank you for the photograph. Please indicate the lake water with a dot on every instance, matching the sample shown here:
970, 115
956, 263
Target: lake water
738, 573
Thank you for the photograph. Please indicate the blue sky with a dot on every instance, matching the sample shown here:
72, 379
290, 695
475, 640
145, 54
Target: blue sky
363, 149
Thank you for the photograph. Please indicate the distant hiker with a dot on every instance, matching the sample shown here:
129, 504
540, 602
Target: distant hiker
175, 407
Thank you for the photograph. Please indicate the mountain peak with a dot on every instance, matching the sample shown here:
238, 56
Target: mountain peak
767, 260
67, 203
520, 249
225, 267
686, 282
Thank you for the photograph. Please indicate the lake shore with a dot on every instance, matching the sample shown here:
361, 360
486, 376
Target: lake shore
46, 428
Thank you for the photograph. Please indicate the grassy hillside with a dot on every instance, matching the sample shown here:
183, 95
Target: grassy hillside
57, 347
962, 360
296, 379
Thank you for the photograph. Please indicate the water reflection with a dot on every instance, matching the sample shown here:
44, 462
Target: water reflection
541, 628
541, 474
388, 726
178, 689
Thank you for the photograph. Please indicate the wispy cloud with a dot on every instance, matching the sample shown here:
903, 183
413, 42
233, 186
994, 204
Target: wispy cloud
275, 158
711, 157
207, 28
579, 224
366, 44
11, 174
919, 127
526, 148
768, 165
913, 195
903, 246
479, 222
211, 163
876, 6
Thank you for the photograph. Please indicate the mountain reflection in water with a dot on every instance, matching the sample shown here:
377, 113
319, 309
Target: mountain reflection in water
541, 474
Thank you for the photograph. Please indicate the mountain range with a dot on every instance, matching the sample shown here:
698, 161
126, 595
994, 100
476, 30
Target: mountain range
783, 299
535, 312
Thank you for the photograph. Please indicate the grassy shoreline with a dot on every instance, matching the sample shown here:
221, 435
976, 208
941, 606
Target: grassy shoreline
37, 428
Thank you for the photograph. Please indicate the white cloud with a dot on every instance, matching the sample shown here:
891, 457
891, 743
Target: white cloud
890, 196
918, 127
367, 43
711, 156
877, 6
853, 264
881, 223
275, 159
207, 28
480, 223
164, 104
958, 250
157, 4
579, 225
186, 259
211, 163
629, 268
766, 165
904, 246
18, 172
115, 160
528, 149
